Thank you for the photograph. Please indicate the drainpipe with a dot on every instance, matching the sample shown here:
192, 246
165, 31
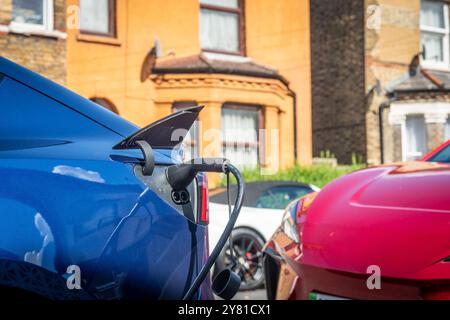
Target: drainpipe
294, 98
384, 105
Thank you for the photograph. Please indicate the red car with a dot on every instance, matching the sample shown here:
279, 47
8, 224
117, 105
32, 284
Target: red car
378, 233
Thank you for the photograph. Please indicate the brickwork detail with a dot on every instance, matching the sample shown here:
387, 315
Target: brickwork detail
45, 55
338, 92
397, 153
435, 135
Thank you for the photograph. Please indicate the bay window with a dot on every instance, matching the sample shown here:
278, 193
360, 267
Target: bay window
98, 17
240, 135
222, 26
34, 15
434, 25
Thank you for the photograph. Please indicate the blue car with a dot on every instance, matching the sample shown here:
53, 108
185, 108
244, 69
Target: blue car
79, 216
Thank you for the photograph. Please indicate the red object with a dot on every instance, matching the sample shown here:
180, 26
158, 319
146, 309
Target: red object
435, 151
395, 218
303, 206
204, 209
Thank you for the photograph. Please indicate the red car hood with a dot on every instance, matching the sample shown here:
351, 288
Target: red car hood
395, 217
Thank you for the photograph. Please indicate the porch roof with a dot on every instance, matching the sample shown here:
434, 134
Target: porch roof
421, 80
202, 64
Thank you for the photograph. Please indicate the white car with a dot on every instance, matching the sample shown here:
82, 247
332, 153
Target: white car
261, 214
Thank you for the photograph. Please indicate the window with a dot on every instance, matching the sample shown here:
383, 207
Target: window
434, 25
192, 140
98, 17
447, 129
415, 142
32, 15
222, 26
280, 197
240, 135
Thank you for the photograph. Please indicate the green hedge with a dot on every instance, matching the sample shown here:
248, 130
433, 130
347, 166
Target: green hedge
318, 175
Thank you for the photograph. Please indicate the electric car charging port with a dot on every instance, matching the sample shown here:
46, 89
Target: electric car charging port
181, 197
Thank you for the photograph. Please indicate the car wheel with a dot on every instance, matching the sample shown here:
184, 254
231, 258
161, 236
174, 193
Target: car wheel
247, 253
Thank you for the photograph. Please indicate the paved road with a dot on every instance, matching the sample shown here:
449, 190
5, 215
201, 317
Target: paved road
251, 295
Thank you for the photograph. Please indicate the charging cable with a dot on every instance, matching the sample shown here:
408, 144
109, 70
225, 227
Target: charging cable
180, 176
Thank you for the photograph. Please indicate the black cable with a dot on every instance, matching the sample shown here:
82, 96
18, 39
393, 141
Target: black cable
230, 239
225, 235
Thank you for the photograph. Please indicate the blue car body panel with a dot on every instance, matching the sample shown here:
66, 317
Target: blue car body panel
67, 98
64, 191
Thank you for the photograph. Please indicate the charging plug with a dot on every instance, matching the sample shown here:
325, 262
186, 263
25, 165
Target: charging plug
181, 175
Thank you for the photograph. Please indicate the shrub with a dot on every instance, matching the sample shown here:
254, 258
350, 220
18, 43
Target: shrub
318, 175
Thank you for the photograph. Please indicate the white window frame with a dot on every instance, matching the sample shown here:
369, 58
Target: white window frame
446, 44
434, 112
48, 23
405, 146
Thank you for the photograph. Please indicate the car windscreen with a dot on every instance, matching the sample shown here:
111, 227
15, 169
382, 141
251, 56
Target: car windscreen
265, 195
280, 197
442, 156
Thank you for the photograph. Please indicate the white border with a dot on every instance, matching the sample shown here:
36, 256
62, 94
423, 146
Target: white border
434, 112
226, 57
45, 30
50, 34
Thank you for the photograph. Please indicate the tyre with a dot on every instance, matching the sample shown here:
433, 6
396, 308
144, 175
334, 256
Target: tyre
271, 275
247, 254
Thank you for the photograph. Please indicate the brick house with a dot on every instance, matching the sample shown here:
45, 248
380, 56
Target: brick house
32, 33
380, 78
247, 61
